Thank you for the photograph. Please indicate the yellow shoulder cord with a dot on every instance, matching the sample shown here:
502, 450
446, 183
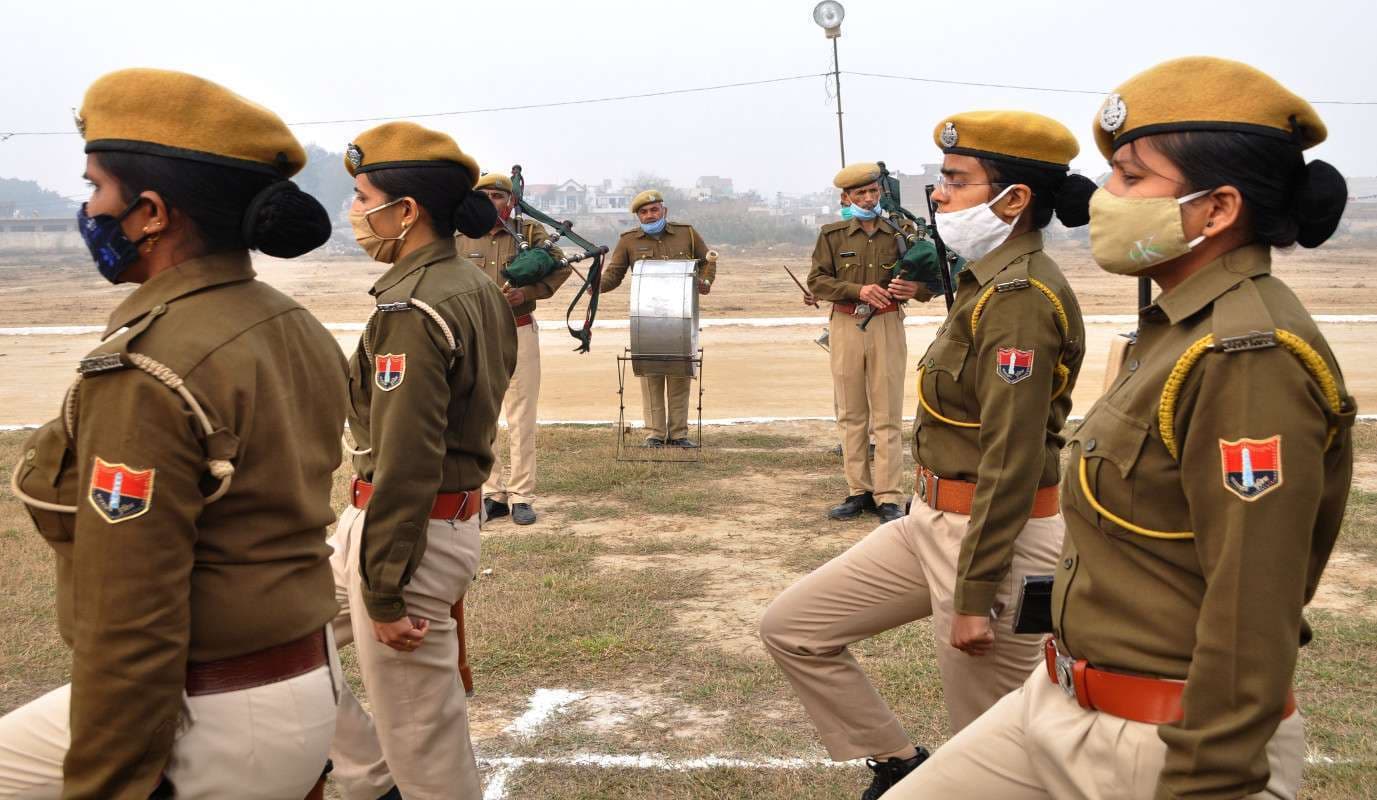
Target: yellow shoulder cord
219, 468
1062, 371
1120, 521
1311, 360
932, 411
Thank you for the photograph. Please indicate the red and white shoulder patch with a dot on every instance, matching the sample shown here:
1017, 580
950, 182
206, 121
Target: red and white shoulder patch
389, 371
1014, 364
118, 492
1251, 467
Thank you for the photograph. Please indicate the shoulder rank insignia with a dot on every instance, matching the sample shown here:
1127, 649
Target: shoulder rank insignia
103, 362
1255, 340
390, 371
389, 307
119, 493
1252, 467
1013, 285
1014, 364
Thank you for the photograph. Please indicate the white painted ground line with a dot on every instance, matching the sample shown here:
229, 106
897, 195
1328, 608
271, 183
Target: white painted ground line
709, 322
544, 704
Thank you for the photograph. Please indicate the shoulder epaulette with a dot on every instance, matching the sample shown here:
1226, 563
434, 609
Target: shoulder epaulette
389, 307
100, 362
1012, 286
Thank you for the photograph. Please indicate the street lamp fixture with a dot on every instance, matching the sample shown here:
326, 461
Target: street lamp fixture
829, 15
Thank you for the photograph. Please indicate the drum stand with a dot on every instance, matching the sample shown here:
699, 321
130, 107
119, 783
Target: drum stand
639, 451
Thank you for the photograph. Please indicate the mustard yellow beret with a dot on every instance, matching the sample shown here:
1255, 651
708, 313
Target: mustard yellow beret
176, 115
405, 144
854, 175
494, 180
1017, 136
646, 198
1202, 93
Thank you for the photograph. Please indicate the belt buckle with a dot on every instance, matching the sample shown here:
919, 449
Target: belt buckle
463, 503
862, 310
1066, 672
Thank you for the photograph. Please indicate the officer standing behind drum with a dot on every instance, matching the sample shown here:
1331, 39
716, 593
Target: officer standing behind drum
665, 400
186, 485
851, 270
426, 384
1204, 491
492, 252
994, 392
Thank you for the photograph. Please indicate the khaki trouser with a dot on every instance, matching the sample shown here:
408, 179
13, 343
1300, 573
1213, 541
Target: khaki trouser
868, 369
654, 389
264, 743
903, 571
417, 737
1037, 744
519, 408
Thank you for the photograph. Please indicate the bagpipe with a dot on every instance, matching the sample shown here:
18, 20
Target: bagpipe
533, 263
923, 258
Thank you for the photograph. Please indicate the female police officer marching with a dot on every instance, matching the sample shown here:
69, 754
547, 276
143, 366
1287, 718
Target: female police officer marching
1206, 488
994, 390
186, 486
426, 385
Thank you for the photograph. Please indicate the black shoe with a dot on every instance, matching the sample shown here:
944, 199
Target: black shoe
492, 509
687, 444
853, 506
522, 513
654, 441
836, 451
888, 512
890, 771
396, 794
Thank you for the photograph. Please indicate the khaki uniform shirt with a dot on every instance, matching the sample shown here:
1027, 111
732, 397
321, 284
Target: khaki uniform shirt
492, 253
1003, 376
677, 241
149, 575
427, 411
1219, 607
847, 258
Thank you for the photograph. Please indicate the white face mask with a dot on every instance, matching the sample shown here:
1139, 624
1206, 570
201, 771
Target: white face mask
973, 232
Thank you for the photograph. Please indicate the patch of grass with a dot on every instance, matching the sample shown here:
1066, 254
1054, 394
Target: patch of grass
556, 782
1359, 532
1334, 684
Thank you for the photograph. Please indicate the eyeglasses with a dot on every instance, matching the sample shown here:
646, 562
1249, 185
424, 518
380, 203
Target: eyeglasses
943, 182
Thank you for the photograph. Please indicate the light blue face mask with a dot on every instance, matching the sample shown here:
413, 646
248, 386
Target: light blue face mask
847, 213
863, 213
657, 227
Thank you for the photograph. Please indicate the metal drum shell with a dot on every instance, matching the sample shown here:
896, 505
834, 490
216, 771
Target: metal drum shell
664, 317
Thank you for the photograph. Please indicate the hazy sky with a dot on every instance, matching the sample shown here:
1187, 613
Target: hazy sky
343, 59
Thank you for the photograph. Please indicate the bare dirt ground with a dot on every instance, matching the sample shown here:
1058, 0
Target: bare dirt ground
748, 371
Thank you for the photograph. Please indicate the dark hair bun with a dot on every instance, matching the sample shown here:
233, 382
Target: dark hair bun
1318, 205
475, 215
1072, 200
285, 222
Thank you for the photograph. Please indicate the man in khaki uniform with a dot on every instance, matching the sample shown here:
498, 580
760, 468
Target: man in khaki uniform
492, 253
994, 393
1205, 490
664, 399
185, 488
426, 384
851, 269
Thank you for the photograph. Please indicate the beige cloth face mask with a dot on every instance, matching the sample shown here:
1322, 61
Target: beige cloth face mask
381, 248
1131, 234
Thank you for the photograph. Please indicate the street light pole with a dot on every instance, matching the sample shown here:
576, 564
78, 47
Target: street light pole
836, 77
829, 14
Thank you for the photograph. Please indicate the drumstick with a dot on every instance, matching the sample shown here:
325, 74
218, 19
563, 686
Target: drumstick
806, 294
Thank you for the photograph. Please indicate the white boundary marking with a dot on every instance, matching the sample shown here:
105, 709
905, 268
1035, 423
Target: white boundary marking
709, 322
544, 704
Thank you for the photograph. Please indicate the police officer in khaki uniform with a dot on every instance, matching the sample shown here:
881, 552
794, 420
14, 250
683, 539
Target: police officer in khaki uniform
185, 487
665, 400
994, 393
851, 269
426, 384
1206, 488
492, 252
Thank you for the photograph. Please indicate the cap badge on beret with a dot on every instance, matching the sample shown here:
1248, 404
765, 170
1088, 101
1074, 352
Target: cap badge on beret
80, 122
1113, 113
949, 135
355, 155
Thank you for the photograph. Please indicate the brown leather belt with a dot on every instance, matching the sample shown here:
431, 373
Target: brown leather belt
524, 320
850, 308
1156, 701
273, 665
955, 497
448, 505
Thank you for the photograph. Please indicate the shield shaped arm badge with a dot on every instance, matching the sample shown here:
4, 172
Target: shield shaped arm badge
1014, 365
119, 492
389, 370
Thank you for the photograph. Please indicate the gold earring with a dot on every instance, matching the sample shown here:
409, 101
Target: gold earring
149, 243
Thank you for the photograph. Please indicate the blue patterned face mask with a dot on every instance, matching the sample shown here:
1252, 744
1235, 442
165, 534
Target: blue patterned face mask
847, 213
657, 227
111, 249
863, 213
